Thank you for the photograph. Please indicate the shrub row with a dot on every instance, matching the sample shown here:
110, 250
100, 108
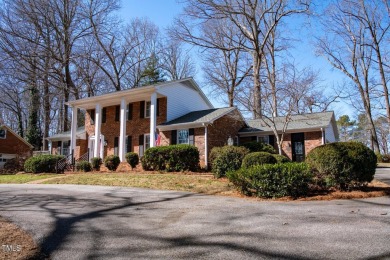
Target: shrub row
273, 180
181, 157
259, 147
42, 163
83, 166
343, 164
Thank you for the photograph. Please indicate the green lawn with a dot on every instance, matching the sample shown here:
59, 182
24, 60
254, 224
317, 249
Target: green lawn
194, 183
24, 178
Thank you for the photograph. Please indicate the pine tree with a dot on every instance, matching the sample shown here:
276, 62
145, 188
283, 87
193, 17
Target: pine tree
152, 73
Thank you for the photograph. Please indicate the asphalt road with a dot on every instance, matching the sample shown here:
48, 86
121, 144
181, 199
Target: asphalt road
91, 222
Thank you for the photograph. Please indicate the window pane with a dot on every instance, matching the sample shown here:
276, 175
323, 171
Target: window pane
183, 137
3, 133
147, 109
147, 142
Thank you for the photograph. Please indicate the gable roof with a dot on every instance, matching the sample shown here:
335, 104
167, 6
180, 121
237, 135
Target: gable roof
302, 122
196, 118
80, 134
18, 136
140, 93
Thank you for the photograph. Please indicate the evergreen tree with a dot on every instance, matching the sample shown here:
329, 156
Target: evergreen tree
152, 73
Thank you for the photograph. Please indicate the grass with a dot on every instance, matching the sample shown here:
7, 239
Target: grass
24, 178
206, 184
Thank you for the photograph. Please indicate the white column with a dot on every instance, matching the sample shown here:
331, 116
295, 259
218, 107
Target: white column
153, 110
323, 135
98, 124
122, 131
73, 130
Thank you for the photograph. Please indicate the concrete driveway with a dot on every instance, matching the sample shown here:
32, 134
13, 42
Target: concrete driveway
91, 222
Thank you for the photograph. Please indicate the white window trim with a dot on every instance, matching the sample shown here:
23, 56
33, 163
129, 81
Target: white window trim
145, 135
146, 108
177, 136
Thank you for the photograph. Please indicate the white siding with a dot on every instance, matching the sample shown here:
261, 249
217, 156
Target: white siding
329, 134
182, 100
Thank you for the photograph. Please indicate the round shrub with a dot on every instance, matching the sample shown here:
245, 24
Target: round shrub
112, 162
281, 158
132, 159
180, 157
227, 158
42, 163
96, 162
259, 147
258, 158
14, 165
343, 164
273, 180
83, 166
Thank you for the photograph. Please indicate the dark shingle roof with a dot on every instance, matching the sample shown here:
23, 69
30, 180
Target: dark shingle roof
301, 122
202, 116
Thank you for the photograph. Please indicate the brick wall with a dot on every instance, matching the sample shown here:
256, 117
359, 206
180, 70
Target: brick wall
135, 127
13, 145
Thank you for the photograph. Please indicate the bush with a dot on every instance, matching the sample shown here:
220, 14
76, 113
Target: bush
96, 162
259, 147
42, 163
132, 159
258, 158
180, 157
281, 158
273, 180
83, 166
112, 162
343, 164
14, 165
227, 158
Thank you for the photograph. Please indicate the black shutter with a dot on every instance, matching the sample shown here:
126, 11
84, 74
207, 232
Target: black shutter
271, 139
173, 136
158, 107
59, 144
191, 136
254, 138
117, 112
129, 144
92, 115
130, 112
141, 140
142, 109
104, 115
116, 142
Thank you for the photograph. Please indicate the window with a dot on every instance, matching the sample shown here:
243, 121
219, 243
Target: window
3, 133
183, 136
146, 141
263, 139
147, 109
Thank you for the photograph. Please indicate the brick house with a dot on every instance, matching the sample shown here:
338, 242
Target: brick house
303, 133
12, 145
173, 112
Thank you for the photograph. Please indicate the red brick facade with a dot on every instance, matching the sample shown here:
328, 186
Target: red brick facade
13, 145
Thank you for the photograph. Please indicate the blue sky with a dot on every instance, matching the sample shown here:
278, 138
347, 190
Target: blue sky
163, 12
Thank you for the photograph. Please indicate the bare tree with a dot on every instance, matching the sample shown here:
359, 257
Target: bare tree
255, 20
175, 61
345, 48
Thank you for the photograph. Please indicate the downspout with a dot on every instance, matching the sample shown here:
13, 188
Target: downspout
323, 135
206, 154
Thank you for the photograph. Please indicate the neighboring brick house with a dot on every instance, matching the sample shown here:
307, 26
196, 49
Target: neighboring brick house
12, 145
161, 114
304, 132
60, 143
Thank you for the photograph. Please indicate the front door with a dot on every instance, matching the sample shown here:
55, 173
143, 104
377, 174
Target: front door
298, 147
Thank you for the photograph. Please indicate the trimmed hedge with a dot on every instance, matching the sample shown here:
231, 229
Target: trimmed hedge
227, 158
14, 165
132, 159
343, 164
112, 162
258, 158
180, 157
281, 158
96, 162
259, 147
273, 180
83, 166
42, 163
